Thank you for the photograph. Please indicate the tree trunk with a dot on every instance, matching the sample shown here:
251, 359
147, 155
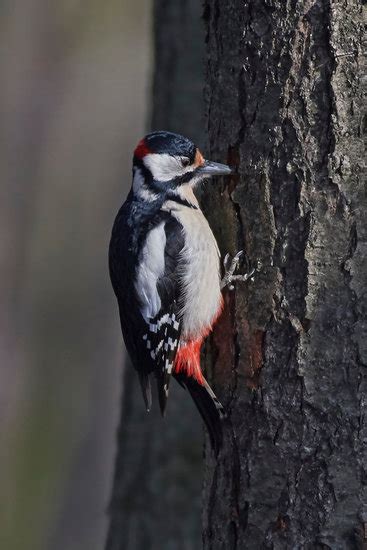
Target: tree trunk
289, 355
157, 484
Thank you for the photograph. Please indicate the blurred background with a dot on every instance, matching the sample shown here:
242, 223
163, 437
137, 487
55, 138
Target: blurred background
75, 83
81, 82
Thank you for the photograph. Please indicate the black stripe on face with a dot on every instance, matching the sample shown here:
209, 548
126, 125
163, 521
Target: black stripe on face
163, 189
180, 200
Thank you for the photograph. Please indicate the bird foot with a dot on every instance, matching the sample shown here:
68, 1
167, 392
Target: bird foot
230, 266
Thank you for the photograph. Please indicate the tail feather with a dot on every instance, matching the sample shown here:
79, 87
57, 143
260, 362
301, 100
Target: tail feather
209, 407
146, 389
162, 386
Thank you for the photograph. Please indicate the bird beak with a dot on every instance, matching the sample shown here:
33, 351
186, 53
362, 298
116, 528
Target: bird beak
210, 168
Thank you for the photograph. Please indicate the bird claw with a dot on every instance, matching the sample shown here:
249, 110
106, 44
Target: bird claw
226, 262
230, 266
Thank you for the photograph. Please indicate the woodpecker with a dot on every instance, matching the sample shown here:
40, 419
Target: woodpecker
165, 271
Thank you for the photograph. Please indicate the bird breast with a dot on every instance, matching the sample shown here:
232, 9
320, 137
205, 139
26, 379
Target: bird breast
200, 274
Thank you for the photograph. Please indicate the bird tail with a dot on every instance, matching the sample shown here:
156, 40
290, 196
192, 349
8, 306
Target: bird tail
209, 407
146, 389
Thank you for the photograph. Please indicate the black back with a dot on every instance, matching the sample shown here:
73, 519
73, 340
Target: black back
132, 224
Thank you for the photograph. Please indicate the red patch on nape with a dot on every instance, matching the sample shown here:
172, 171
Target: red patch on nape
188, 360
142, 149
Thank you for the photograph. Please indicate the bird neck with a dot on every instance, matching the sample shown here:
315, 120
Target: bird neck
186, 194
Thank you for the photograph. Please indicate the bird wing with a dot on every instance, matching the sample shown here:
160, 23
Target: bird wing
158, 289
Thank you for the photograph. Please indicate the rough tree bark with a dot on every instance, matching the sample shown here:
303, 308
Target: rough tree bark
155, 503
289, 354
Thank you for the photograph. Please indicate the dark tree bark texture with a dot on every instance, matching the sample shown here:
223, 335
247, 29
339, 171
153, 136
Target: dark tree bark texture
288, 357
155, 503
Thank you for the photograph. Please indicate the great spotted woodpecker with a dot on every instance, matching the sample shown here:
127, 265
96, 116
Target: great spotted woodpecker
165, 271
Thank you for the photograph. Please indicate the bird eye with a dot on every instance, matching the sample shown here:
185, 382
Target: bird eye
185, 161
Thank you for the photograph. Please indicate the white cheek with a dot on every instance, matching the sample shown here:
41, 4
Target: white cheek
164, 167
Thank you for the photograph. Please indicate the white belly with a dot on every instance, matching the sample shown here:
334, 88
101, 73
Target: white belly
200, 274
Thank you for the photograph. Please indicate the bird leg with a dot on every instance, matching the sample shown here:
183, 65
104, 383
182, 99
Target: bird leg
230, 266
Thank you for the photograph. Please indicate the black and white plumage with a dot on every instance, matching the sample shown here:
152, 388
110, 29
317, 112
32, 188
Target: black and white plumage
165, 271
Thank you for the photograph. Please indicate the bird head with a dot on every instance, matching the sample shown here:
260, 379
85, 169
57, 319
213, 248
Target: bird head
167, 162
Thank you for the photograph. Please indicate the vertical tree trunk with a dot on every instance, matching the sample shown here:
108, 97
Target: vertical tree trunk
155, 501
289, 354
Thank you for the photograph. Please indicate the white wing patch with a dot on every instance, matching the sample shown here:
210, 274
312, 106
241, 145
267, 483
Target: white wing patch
151, 267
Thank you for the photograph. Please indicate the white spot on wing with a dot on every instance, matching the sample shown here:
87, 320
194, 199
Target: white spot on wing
168, 366
159, 346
